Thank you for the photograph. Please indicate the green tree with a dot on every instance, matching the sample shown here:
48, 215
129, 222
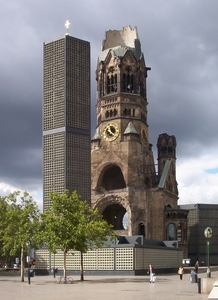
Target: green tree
3, 209
5, 256
20, 225
71, 224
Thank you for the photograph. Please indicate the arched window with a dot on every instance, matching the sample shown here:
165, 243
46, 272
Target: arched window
111, 113
132, 83
147, 182
113, 179
124, 82
101, 85
179, 232
115, 83
128, 83
141, 229
127, 112
111, 83
171, 232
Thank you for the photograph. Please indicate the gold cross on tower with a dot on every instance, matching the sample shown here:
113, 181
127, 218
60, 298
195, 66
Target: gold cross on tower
67, 25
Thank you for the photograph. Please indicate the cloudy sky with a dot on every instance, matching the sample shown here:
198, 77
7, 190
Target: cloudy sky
179, 41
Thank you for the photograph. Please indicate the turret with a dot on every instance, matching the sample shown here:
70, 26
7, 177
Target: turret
166, 145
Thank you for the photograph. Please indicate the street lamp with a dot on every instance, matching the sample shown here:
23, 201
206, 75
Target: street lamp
28, 261
208, 232
54, 266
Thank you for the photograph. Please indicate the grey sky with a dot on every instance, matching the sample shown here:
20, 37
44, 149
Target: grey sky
179, 41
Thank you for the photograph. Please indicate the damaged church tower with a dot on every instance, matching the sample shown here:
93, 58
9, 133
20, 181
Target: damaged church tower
124, 175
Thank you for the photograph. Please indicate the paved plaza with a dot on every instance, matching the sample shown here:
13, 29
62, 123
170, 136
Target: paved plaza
102, 287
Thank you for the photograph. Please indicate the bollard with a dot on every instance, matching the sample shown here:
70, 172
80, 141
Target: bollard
199, 285
28, 274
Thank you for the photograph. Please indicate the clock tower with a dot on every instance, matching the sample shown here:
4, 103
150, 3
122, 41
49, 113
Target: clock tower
125, 181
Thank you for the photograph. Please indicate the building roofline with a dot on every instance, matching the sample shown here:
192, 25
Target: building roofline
199, 206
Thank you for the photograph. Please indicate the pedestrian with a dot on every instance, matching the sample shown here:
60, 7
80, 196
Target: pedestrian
181, 272
193, 276
151, 273
196, 267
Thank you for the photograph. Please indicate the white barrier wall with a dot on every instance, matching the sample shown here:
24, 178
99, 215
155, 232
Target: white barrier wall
109, 259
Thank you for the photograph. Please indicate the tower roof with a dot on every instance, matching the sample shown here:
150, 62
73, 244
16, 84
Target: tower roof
130, 129
120, 51
97, 135
164, 174
121, 41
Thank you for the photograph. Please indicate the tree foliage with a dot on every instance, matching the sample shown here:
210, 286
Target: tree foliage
71, 224
19, 225
3, 208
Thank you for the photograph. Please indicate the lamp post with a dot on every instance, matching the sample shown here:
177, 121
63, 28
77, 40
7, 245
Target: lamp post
54, 266
28, 261
208, 232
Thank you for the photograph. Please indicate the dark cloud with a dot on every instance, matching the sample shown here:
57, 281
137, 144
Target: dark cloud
178, 39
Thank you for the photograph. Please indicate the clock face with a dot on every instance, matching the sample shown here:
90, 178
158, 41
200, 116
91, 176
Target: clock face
111, 132
208, 232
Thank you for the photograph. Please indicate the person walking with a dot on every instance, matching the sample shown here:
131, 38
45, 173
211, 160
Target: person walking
193, 276
151, 273
181, 272
196, 267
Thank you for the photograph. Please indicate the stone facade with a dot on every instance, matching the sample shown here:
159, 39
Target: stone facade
124, 177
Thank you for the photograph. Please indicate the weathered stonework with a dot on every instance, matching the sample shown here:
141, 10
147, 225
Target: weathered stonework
124, 176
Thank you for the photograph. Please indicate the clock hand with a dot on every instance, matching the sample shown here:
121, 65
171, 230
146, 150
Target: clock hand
109, 130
